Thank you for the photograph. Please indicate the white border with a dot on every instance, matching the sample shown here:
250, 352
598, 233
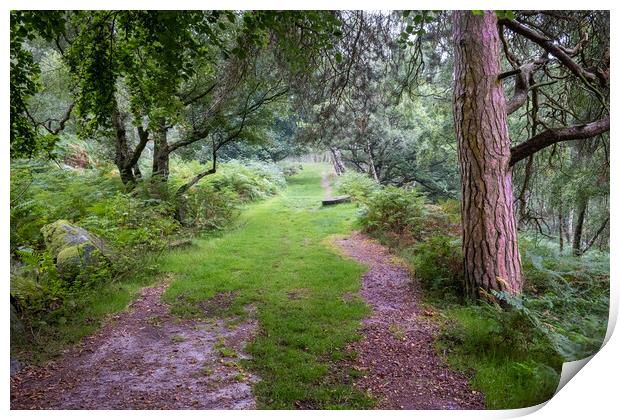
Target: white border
591, 394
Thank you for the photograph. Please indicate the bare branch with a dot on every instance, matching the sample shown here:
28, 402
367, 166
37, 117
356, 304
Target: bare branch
549, 137
553, 49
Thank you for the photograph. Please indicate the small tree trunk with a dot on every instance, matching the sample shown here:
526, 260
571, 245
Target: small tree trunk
530, 161
596, 236
561, 226
136, 171
161, 154
581, 215
337, 161
522, 195
121, 148
568, 228
491, 254
371, 161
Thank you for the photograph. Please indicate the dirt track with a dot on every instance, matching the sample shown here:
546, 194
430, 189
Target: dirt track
144, 358
397, 351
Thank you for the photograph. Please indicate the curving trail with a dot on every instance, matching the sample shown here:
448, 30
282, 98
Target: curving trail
397, 351
145, 358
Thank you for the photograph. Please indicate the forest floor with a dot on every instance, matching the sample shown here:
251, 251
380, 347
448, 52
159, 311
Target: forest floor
144, 358
272, 296
397, 352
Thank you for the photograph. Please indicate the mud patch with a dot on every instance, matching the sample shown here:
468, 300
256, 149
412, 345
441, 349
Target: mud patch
147, 359
396, 354
219, 303
299, 294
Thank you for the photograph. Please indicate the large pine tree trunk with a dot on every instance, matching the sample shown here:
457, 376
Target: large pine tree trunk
491, 255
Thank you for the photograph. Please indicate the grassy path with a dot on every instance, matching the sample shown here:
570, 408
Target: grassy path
278, 261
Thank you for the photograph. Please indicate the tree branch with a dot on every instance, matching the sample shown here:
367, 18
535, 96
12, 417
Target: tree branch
137, 152
595, 237
183, 188
549, 137
553, 49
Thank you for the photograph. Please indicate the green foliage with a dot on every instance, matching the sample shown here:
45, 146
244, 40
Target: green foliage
248, 184
131, 223
514, 364
566, 297
134, 225
26, 141
290, 169
394, 210
359, 186
247, 180
43, 193
516, 345
438, 265
211, 208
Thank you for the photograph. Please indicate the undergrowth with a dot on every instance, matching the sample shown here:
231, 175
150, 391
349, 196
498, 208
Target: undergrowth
513, 348
49, 311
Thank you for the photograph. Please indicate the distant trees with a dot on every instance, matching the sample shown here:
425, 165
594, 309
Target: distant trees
144, 76
362, 117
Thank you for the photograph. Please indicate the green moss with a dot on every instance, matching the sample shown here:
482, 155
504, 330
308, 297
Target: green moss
54, 236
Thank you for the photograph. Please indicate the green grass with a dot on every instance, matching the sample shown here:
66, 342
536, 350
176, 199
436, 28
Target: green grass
511, 370
276, 259
47, 340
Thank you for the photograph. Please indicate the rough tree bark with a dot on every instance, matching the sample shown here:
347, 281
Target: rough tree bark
126, 160
491, 254
121, 149
337, 160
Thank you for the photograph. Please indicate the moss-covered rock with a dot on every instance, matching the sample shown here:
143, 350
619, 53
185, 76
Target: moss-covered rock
74, 249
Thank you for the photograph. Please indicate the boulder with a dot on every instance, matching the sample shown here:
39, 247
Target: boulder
15, 366
74, 249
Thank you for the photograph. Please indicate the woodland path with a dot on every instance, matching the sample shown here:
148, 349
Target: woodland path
396, 353
147, 358
144, 358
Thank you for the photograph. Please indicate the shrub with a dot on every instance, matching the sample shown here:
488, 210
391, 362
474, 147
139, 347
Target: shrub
514, 364
394, 210
133, 224
359, 186
251, 181
290, 169
42, 193
208, 208
566, 296
438, 264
